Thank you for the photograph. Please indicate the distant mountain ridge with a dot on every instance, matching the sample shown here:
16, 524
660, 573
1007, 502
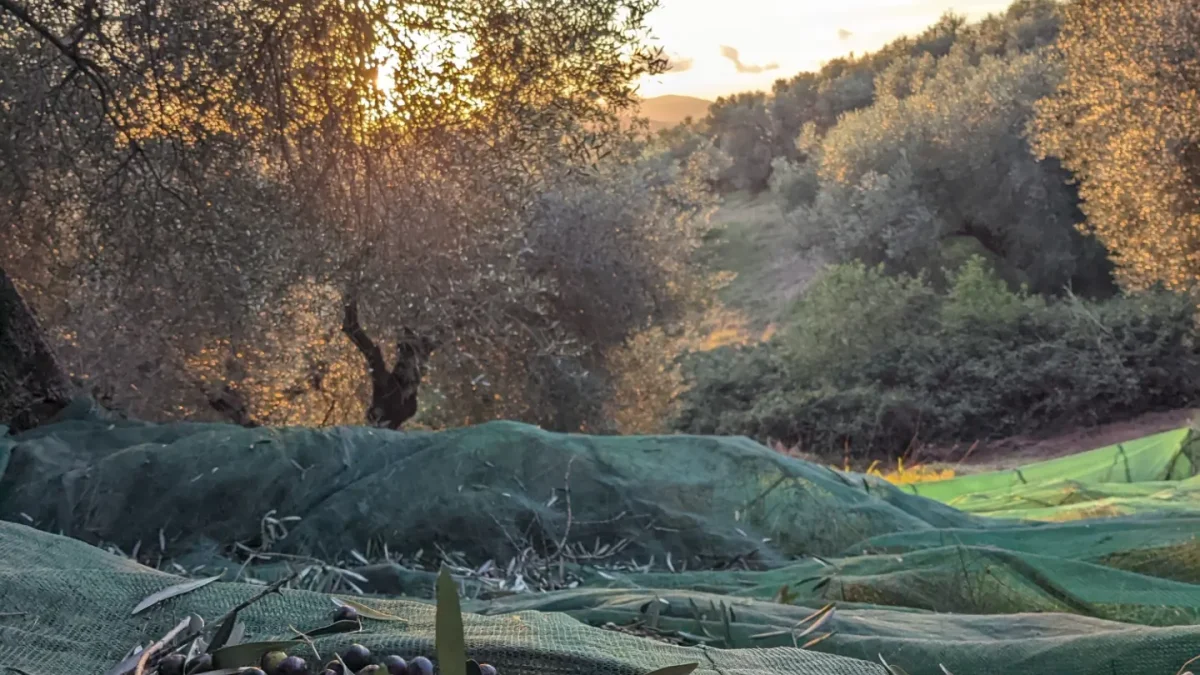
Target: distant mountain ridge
667, 111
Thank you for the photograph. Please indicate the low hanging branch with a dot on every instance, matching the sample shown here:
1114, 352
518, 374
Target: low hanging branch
69, 50
95, 73
393, 391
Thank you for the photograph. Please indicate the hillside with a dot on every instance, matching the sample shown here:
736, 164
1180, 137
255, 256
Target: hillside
667, 111
903, 194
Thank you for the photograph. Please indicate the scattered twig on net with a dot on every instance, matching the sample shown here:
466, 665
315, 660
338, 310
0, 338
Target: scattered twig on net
311, 645
562, 543
1183, 670
579, 553
160, 646
269, 590
606, 521
672, 637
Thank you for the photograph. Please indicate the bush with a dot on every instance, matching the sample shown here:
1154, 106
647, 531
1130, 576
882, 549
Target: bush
794, 184
724, 385
871, 364
849, 314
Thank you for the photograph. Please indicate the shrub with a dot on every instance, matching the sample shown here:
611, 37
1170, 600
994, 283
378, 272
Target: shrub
849, 314
725, 384
794, 184
871, 364
645, 370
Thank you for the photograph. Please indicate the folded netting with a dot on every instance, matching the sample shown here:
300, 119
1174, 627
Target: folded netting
477, 490
65, 608
1166, 547
921, 643
959, 579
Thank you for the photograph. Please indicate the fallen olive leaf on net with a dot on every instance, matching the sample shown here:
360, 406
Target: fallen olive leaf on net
250, 653
346, 626
171, 592
224, 632
681, 669
368, 612
449, 642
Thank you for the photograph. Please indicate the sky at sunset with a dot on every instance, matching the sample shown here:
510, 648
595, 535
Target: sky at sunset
726, 46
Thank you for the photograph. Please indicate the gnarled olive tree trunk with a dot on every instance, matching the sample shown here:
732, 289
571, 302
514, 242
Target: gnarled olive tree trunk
393, 390
33, 386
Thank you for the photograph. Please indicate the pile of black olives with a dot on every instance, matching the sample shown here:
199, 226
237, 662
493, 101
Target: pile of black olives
355, 660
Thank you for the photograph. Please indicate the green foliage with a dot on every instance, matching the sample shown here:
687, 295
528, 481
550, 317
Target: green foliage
725, 385
744, 131
1125, 121
909, 155
794, 184
979, 300
755, 129
872, 363
949, 160
849, 314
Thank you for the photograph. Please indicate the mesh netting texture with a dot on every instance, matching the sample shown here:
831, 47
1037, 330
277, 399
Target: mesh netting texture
1088, 564
475, 490
74, 605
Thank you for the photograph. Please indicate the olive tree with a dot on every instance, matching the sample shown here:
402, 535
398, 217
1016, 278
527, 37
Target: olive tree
196, 193
1125, 122
909, 181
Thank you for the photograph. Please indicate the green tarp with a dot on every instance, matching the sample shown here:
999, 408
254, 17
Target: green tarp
926, 586
1147, 475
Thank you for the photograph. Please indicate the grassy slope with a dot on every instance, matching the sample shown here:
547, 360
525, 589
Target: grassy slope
751, 238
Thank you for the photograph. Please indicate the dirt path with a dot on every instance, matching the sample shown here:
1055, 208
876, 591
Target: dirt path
1018, 450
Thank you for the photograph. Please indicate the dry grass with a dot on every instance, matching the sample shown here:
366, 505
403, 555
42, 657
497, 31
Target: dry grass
907, 475
900, 474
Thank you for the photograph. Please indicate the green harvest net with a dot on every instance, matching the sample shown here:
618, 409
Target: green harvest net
913, 580
1152, 474
75, 603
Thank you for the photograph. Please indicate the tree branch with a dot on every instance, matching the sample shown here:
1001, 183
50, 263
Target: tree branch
23, 16
89, 68
354, 330
94, 72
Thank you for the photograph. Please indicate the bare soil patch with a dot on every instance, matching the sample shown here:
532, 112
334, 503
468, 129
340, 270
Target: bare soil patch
1007, 453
